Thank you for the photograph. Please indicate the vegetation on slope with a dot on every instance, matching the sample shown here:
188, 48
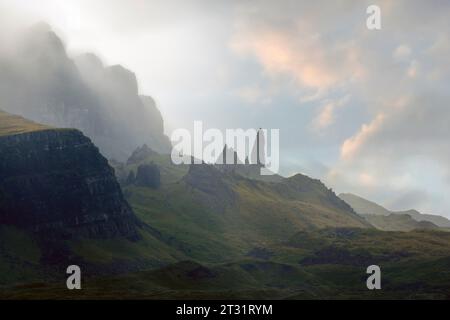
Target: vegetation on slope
12, 124
393, 220
208, 234
215, 216
322, 264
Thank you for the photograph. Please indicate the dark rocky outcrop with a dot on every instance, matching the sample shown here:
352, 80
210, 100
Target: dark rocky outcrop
148, 175
131, 178
229, 162
140, 154
55, 183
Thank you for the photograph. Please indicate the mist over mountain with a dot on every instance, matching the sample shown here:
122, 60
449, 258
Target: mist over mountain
39, 81
140, 226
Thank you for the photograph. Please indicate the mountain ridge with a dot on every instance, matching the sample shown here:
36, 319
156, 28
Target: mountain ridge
200, 203
367, 208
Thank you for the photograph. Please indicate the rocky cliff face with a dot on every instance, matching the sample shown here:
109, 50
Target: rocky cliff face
56, 183
39, 81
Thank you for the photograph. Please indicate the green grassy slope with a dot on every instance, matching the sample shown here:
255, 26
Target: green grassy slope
19, 257
326, 264
363, 206
371, 210
208, 234
211, 216
398, 222
12, 124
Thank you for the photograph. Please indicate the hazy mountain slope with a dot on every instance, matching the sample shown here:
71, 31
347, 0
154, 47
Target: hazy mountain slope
40, 82
213, 215
366, 207
397, 222
435, 219
363, 206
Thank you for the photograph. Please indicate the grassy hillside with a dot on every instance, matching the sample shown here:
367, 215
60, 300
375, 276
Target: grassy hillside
12, 124
363, 206
17, 248
435, 219
215, 216
370, 210
326, 264
25, 258
209, 233
398, 222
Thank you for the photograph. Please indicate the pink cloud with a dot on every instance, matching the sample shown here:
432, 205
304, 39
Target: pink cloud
305, 59
352, 145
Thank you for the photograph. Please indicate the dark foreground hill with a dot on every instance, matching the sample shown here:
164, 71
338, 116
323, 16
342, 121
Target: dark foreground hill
323, 264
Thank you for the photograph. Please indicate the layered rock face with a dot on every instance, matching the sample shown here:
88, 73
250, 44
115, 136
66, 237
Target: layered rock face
56, 183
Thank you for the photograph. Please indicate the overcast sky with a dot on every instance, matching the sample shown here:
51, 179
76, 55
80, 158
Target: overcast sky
365, 111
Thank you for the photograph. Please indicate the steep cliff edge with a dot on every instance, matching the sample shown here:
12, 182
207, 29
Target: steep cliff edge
55, 182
